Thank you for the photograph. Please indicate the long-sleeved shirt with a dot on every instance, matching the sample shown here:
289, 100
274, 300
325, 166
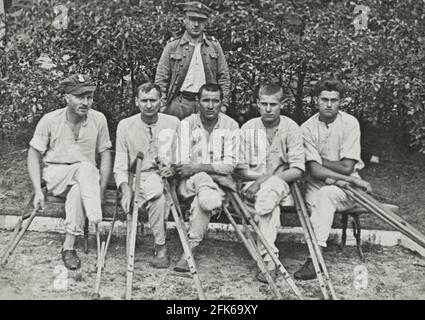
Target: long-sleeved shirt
261, 155
54, 138
157, 140
220, 148
334, 142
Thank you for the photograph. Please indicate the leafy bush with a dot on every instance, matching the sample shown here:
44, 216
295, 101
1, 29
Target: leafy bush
293, 42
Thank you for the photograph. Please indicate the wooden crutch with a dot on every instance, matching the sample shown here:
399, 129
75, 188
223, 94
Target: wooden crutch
255, 254
133, 229
181, 229
19, 231
313, 247
240, 206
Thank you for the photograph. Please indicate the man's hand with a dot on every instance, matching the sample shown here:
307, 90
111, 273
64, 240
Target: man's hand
361, 184
250, 193
166, 172
186, 170
38, 201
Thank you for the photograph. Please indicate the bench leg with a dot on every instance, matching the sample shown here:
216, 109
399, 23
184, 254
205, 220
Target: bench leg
86, 236
344, 231
357, 234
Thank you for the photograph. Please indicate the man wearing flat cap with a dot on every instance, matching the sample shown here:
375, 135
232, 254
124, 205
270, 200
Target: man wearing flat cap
68, 141
189, 62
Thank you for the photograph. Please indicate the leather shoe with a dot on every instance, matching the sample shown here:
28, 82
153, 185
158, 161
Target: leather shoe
261, 276
306, 272
160, 263
70, 259
182, 265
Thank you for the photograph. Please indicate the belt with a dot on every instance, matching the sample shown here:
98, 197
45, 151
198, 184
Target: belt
191, 96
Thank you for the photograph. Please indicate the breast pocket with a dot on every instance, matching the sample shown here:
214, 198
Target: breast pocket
212, 60
176, 60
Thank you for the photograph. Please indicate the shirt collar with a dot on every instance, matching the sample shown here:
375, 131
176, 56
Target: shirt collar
84, 124
198, 122
329, 124
185, 39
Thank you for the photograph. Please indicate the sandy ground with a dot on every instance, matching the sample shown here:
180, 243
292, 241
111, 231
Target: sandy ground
227, 272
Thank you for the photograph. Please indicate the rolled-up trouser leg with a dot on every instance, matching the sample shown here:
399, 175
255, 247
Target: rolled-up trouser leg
88, 178
323, 204
74, 210
207, 201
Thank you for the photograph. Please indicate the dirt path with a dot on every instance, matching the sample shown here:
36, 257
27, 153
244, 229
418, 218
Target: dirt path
35, 271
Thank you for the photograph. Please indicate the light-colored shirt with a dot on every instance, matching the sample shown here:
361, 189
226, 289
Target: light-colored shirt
54, 138
195, 76
157, 140
220, 148
334, 142
262, 155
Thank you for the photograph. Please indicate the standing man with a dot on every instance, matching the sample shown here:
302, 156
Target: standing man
332, 146
155, 135
190, 61
272, 155
209, 146
68, 140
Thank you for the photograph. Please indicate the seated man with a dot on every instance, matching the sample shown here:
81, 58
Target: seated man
68, 140
272, 155
208, 146
154, 134
332, 146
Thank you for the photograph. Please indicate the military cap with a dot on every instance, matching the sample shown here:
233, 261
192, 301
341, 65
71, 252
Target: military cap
196, 9
77, 84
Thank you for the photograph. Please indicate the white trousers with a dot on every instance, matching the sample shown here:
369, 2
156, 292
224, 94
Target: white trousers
153, 200
323, 203
267, 208
207, 201
80, 182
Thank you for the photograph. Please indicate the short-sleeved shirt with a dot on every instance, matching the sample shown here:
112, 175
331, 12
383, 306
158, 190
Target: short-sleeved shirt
220, 148
334, 142
157, 140
262, 156
54, 138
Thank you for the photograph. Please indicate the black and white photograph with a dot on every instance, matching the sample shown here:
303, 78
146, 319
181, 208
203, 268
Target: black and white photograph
231, 151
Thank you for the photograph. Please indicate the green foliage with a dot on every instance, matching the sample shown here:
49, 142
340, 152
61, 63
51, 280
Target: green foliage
293, 42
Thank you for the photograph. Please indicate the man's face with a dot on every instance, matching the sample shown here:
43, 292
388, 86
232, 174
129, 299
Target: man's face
195, 26
79, 104
328, 102
269, 107
210, 104
149, 102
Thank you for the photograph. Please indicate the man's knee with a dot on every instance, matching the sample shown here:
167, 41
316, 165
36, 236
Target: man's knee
88, 170
202, 179
153, 187
271, 193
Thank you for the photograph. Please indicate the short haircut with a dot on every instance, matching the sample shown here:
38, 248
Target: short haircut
212, 87
329, 84
147, 87
269, 89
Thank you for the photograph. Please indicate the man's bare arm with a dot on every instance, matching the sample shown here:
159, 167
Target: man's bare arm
105, 170
34, 170
320, 172
344, 166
